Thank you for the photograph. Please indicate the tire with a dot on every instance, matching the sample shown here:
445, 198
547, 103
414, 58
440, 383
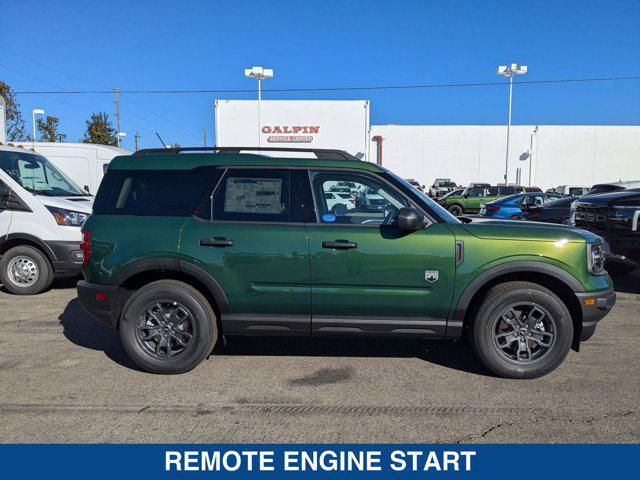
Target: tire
455, 210
619, 268
339, 209
489, 331
514, 217
141, 332
25, 270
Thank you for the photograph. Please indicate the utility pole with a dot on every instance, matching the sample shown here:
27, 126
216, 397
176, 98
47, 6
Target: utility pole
117, 102
136, 136
204, 137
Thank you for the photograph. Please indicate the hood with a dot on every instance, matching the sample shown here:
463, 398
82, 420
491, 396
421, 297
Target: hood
528, 231
611, 198
78, 204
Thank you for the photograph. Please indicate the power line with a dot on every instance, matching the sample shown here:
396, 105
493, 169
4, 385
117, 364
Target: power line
339, 89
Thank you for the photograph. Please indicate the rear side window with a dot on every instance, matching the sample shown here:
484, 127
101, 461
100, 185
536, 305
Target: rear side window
172, 193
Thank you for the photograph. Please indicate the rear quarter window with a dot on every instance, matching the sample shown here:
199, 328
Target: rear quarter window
172, 193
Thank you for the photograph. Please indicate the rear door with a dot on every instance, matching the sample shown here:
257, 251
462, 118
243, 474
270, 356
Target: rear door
246, 236
368, 276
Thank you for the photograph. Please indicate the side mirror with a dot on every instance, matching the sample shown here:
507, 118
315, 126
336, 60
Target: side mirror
410, 219
466, 195
86, 188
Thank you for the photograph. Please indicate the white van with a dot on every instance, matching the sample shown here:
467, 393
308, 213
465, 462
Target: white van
41, 212
84, 163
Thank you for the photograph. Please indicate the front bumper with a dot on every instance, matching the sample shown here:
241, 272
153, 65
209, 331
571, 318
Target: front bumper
99, 301
67, 257
595, 306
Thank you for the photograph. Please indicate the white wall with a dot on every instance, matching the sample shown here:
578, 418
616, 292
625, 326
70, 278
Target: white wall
344, 124
580, 155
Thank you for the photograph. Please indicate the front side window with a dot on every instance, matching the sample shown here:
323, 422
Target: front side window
368, 201
474, 192
252, 195
36, 174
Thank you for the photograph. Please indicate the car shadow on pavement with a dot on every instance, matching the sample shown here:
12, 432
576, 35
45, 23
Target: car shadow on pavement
83, 330
456, 355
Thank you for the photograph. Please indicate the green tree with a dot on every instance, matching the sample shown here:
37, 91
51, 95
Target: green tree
100, 130
49, 130
15, 124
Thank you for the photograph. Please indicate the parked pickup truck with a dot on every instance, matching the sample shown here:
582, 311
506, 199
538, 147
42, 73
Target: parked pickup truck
183, 250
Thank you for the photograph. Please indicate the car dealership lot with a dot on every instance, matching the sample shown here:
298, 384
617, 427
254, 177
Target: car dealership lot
65, 378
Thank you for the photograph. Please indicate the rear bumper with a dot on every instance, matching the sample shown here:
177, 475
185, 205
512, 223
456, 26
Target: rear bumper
67, 257
600, 304
98, 300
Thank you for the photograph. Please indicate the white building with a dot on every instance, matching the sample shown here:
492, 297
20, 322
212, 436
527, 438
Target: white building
557, 154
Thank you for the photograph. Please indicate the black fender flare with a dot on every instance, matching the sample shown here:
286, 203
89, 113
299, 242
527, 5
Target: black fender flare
46, 249
454, 326
178, 266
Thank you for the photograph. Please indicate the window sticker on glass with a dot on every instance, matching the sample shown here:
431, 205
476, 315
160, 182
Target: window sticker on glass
253, 195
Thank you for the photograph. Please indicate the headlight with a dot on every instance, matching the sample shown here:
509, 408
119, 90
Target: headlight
595, 258
68, 218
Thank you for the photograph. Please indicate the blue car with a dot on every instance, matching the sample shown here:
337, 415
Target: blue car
511, 206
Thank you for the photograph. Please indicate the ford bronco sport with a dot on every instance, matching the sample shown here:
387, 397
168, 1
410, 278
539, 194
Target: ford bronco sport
472, 198
184, 249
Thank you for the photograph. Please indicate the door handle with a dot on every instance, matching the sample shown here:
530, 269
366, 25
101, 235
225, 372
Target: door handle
340, 245
216, 242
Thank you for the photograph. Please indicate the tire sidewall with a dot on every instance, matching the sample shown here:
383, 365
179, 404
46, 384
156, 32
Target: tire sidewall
482, 333
455, 209
45, 270
203, 316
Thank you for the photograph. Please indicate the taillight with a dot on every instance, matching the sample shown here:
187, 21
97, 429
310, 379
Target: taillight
85, 246
492, 208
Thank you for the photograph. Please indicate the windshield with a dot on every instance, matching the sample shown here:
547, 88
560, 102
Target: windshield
443, 213
37, 175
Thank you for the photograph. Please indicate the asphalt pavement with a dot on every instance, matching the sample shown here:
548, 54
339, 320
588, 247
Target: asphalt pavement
64, 377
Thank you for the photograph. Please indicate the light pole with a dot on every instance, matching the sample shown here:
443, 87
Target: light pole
535, 132
120, 136
509, 71
259, 73
36, 111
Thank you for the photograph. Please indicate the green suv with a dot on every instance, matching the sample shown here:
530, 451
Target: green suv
184, 249
471, 198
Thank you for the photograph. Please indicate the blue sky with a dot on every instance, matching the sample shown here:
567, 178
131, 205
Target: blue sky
206, 44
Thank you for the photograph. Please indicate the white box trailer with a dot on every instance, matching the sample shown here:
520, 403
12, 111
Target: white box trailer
84, 163
334, 124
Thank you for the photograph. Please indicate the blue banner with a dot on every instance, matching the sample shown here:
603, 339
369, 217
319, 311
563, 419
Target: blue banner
319, 461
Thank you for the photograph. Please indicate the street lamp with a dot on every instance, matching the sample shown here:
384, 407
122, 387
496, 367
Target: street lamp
36, 111
259, 73
509, 71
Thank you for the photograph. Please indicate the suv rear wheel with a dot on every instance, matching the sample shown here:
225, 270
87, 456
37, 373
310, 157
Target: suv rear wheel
522, 330
24, 270
168, 327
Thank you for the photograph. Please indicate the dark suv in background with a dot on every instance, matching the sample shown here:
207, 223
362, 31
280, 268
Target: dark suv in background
615, 216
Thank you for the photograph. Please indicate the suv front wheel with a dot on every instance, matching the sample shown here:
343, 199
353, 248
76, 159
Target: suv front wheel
24, 270
522, 330
168, 327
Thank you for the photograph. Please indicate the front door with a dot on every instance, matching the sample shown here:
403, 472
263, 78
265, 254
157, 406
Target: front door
244, 236
368, 276
5, 209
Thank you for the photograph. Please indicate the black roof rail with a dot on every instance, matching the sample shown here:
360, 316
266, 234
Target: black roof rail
320, 153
